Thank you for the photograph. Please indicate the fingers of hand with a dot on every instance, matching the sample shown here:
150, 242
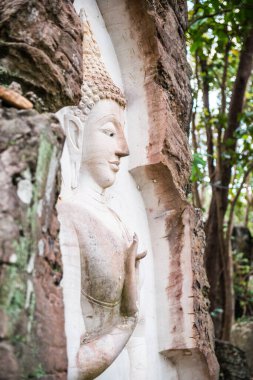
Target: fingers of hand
141, 255
135, 238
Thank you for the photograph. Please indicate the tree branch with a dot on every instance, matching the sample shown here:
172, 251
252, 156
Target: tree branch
209, 133
240, 85
224, 78
235, 109
195, 189
249, 199
210, 15
233, 203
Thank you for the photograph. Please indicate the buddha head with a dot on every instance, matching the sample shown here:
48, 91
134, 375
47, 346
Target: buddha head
95, 129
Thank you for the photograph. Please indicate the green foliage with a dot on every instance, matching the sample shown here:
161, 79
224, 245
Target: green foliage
12, 296
216, 312
198, 167
216, 33
214, 27
22, 250
38, 373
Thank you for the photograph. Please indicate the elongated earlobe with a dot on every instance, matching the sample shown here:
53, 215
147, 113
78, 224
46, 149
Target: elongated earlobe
73, 128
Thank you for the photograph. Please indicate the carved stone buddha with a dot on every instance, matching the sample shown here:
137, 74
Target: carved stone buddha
108, 253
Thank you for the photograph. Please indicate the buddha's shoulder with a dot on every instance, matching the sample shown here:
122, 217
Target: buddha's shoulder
80, 221
73, 211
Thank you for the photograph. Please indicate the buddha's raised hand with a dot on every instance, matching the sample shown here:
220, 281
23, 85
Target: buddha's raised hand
130, 294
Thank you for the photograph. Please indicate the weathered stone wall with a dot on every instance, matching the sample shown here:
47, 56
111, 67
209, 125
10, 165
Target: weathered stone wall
173, 70
159, 28
172, 75
43, 54
40, 48
32, 324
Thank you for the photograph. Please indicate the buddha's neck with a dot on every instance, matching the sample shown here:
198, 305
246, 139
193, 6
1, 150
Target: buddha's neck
88, 188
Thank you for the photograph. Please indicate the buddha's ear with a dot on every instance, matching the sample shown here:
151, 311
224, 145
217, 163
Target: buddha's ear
74, 128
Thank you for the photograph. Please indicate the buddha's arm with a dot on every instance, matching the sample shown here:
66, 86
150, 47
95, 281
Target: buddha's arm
95, 356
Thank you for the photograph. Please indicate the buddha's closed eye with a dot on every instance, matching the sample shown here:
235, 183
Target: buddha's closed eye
109, 129
109, 132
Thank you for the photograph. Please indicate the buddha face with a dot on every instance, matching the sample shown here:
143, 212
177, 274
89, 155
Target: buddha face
104, 143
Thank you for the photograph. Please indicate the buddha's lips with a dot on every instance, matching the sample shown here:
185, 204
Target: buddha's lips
114, 165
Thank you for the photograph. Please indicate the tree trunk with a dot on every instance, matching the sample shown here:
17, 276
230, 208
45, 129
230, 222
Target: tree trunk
217, 251
213, 259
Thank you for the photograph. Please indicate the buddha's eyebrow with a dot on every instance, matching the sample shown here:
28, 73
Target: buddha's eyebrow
109, 118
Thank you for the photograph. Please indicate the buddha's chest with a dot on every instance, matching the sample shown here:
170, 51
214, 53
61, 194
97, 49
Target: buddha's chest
103, 243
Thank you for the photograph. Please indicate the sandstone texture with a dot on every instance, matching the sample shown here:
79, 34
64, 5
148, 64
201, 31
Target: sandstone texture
173, 70
160, 29
41, 49
160, 26
172, 77
31, 306
43, 54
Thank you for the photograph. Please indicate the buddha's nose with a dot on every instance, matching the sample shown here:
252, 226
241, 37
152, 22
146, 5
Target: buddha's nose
122, 147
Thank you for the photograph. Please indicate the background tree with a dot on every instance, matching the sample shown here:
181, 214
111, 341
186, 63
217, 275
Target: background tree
221, 45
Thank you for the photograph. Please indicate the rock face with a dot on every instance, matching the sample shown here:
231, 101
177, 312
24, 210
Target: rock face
173, 70
242, 337
150, 46
40, 48
233, 364
169, 157
31, 307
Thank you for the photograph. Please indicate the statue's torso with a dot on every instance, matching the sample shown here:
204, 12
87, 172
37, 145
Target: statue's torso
103, 241
103, 244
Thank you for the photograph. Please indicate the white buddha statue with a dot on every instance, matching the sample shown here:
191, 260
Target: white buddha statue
108, 253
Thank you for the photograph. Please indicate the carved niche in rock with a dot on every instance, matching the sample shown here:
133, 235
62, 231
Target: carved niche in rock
90, 229
172, 337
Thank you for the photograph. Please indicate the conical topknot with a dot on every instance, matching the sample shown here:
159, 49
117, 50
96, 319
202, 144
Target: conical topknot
97, 83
